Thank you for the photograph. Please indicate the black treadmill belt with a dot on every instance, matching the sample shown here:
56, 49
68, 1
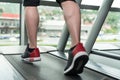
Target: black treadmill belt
49, 68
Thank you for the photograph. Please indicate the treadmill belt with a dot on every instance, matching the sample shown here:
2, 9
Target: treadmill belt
49, 68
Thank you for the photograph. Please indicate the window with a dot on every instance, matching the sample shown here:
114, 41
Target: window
51, 25
9, 17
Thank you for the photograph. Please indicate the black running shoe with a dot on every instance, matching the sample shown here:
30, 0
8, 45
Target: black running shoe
31, 56
76, 60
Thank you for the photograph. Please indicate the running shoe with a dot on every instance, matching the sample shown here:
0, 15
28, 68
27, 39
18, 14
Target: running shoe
76, 60
31, 56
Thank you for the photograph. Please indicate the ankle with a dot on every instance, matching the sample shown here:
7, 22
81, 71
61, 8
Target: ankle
32, 46
73, 45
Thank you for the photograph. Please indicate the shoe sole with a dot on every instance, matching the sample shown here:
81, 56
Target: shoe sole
32, 59
78, 63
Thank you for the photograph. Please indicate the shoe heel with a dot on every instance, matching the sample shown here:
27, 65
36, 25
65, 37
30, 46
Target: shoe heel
80, 63
32, 59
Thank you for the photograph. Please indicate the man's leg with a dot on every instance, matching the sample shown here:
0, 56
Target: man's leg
32, 21
73, 19
77, 54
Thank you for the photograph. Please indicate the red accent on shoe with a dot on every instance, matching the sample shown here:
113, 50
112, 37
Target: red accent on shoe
35, 53
79, 47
